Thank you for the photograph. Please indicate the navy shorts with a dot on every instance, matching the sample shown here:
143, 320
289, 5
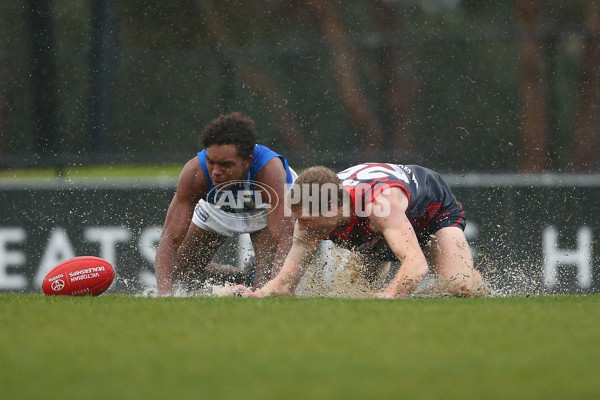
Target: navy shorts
452, 214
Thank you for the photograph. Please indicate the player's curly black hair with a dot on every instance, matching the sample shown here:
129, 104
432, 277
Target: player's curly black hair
234, 129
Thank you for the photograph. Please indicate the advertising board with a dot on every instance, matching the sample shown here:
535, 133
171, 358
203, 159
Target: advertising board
528, 234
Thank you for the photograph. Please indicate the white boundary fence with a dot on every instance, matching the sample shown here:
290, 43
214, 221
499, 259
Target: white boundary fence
528, 232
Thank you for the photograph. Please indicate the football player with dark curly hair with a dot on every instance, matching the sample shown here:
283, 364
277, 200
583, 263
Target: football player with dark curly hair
233, 186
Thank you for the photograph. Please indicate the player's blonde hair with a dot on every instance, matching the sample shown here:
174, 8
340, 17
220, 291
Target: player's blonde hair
311, 181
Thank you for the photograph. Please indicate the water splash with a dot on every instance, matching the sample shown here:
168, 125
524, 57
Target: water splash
336, 272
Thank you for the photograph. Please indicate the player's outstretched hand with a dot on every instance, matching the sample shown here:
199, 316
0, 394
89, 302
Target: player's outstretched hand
241, 291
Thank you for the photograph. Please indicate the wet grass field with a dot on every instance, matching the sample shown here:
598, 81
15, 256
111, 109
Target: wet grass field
125, 347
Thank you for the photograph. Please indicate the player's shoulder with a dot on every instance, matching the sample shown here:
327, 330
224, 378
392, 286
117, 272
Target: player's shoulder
192, 178
262, 149
192, 166
273, 170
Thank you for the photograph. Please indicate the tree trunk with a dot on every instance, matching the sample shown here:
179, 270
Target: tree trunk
256, 78
399, 82
534, 153
587, 134
358, 108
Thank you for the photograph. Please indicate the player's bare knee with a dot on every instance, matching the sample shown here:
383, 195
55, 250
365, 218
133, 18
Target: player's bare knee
468, 285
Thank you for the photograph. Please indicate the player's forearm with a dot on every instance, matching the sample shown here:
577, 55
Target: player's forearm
281, 251
164, 271
166, 255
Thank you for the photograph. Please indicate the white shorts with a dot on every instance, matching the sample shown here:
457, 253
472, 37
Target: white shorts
211, 218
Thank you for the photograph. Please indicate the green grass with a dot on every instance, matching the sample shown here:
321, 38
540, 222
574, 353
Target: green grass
121, 347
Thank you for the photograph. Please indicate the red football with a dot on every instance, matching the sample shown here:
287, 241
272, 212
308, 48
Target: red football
79, 276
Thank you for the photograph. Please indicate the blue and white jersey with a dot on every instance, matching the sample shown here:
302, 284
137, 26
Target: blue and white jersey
261, 156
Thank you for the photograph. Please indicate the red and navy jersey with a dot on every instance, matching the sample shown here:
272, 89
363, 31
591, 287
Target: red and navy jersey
431, 204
